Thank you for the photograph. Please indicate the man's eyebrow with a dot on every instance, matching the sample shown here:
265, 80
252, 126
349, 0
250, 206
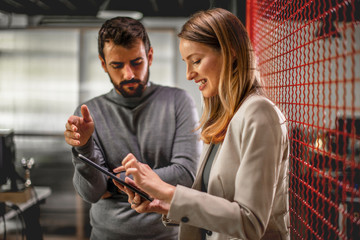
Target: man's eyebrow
115, 62
133, 60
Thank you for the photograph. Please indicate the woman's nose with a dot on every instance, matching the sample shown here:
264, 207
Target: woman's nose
190, 74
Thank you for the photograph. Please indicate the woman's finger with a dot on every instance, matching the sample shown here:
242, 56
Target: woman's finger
142, 207
119, 169
130, 194
128, 158
121, 187
137, 199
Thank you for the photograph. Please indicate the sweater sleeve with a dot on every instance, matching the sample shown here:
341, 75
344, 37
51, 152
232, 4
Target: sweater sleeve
186, 144
89, 183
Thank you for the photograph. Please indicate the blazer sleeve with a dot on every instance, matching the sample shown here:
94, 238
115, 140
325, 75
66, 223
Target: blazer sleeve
248, 165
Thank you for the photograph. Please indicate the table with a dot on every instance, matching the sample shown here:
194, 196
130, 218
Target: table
30, 211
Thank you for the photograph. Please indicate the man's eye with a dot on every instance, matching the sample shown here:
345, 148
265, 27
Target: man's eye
137, 62
196, 62
116, 66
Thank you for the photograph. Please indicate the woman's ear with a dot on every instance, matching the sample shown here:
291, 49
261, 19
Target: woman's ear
233, 58
233, 54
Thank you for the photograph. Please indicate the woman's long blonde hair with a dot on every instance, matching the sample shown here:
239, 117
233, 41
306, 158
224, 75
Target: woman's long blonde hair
223, 31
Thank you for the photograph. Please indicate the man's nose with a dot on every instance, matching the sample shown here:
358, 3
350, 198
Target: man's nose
128, 73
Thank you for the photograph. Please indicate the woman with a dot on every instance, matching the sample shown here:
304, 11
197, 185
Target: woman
240, 191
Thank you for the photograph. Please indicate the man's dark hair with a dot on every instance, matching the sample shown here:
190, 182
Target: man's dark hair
123, 31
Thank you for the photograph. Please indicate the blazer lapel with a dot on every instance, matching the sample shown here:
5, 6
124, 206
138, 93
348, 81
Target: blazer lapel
204, 156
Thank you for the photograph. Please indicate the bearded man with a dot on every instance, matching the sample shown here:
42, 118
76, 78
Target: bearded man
155, 123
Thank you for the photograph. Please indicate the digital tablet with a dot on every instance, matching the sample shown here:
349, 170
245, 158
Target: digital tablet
111, 175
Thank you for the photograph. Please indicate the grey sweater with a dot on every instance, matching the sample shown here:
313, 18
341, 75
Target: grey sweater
158, 129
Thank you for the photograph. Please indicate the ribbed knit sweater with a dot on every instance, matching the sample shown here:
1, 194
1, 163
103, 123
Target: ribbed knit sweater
158, 128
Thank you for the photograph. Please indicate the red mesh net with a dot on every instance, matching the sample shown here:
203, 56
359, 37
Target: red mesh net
308, 54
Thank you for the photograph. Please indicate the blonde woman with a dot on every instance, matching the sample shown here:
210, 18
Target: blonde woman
241, 187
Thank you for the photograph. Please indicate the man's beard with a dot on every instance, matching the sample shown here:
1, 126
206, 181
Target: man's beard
130, 92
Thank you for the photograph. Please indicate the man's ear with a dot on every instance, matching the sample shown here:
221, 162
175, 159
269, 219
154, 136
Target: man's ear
150, 56
103, 64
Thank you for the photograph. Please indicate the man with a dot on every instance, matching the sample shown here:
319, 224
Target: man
155, 123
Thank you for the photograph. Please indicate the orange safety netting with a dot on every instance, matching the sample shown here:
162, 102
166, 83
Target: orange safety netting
308, 54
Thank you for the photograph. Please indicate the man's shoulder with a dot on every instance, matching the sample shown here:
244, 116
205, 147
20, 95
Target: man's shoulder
171, 91
167, 88
104, 96
94, 101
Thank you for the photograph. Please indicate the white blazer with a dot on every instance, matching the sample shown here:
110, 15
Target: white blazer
248, 183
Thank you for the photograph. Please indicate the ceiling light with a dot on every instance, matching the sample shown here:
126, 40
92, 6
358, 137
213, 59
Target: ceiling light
108, 10
107, 14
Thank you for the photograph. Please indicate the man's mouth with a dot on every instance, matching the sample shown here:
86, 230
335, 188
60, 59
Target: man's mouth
132, 81
130, 84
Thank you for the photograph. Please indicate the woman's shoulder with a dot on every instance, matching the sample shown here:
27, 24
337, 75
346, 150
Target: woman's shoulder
255, 102
258, 100
260, 108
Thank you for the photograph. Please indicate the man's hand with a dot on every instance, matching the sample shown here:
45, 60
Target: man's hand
78, 130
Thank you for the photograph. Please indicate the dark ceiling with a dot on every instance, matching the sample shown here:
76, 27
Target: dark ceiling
88, 9
150, 8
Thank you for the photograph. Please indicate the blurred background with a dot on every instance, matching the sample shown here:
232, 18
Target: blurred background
49, 65
308, 54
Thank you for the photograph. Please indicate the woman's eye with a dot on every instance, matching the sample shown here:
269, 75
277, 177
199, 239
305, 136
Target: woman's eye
196, 62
